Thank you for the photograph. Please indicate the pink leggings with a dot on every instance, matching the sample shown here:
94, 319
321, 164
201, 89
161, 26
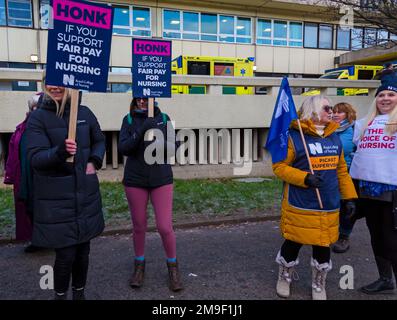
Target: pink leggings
161, 199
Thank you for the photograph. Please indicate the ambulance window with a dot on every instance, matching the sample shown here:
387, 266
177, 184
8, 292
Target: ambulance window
223, 69
173, 72
198, 68
365, 74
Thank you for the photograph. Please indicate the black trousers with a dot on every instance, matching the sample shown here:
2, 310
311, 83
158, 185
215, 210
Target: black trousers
71, 262
379, 219
290, 250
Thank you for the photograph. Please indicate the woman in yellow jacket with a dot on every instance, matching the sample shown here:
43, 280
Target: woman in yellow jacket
302, 219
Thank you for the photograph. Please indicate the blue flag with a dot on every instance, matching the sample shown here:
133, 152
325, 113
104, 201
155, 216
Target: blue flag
284, 112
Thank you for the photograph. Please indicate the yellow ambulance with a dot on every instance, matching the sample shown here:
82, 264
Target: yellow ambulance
212, 66
356, 72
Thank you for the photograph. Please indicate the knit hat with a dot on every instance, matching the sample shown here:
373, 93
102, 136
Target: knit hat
391, 86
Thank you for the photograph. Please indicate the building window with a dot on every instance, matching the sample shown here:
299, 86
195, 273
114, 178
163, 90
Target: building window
369, 37
172, 24
3, 20
243, 30
16, 13
121, 87
18, 85
132, 21
191, 29
279, 33
325, 37
44, 13
204, 26
382, 37
209, 27
295, 34
226, 28
141, 24
357, 38
343, 39
264, 32
311, 35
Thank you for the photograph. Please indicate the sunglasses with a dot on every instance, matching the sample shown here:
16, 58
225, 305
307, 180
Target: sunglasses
328, 108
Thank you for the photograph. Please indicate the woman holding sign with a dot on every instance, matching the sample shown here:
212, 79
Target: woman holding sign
303, 219
144, 177
374, 165
67, 200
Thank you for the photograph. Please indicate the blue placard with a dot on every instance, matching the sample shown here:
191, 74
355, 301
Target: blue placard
151, 68
79, 45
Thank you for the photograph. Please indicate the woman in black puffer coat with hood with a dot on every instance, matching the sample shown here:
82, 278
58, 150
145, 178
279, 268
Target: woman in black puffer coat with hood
67, 200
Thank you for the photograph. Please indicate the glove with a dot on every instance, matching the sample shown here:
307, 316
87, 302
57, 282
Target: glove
313, 180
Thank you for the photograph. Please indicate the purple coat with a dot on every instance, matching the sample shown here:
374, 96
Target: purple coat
13, 176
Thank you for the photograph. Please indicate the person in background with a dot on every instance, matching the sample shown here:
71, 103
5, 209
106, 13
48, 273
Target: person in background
144, 178
303, 221
374, 166
345, 115
17, 173
387, 75
67, 199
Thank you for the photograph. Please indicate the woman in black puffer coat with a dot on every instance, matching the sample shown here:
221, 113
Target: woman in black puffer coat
67, 200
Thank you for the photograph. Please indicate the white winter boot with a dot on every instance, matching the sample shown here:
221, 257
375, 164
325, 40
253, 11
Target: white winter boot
286, 273
319, 276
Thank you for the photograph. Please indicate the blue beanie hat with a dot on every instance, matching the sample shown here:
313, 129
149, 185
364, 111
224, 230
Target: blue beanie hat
391, 86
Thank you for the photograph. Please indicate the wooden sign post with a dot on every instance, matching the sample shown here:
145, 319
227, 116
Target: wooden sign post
74, 106
150, 115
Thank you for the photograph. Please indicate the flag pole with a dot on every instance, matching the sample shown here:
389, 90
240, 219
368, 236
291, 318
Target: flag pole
308, 160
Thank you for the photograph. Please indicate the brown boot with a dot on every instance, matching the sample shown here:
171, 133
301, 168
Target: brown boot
174, 276
136, 280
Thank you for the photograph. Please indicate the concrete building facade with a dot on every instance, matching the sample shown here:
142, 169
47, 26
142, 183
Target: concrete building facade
285, 37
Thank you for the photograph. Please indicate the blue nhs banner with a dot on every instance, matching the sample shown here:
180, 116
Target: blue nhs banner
79, 45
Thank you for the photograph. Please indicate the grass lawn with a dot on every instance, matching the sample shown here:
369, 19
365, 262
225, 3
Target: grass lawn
193, 200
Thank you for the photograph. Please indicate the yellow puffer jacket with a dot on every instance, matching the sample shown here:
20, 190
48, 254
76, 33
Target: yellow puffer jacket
319, 228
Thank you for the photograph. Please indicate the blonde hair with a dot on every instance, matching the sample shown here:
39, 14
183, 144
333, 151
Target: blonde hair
311, 107
391, 126
66, 95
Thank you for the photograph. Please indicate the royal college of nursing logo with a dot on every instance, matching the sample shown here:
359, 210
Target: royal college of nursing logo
68, 79
146, 91
282, 104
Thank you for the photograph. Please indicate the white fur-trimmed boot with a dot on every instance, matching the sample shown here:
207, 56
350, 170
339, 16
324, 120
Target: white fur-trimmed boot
286, 273
319, 277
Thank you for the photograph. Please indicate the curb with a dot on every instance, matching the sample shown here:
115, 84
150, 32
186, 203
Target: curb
177, 226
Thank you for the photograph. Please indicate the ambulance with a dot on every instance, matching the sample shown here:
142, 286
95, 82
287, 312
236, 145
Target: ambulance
355, 72
212, 66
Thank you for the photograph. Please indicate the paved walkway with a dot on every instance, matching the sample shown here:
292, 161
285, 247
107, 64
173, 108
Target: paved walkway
225, 262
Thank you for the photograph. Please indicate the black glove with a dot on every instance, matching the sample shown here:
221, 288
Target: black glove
313, 180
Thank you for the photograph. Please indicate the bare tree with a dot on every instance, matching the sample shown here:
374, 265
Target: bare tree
379, 16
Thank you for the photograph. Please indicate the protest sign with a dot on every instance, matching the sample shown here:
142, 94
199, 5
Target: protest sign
79, 45
151, 71
78, 50
151, 68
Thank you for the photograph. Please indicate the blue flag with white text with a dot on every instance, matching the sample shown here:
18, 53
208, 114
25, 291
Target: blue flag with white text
284, 112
